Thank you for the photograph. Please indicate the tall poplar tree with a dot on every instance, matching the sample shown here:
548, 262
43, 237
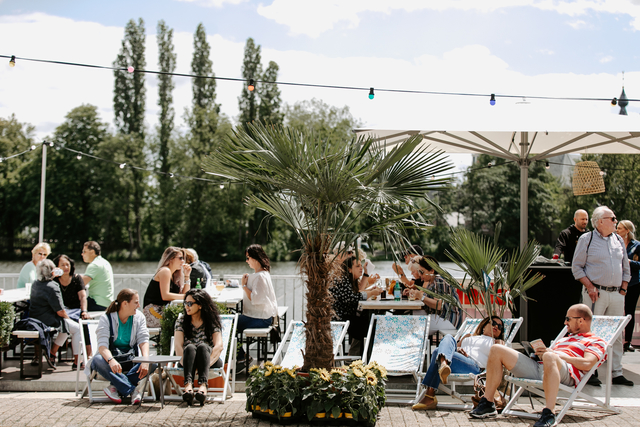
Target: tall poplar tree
167, 64
269, 110
251, 70
129, 109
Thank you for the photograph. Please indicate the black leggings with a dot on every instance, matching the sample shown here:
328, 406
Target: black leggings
197, 357
630, 302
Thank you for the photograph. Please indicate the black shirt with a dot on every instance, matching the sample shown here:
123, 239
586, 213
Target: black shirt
153, 295
70, 292
567, 242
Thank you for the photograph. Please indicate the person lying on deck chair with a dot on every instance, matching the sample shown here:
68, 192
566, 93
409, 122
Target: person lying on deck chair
566, 362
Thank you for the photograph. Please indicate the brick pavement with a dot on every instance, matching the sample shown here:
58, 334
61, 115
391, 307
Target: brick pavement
64, 409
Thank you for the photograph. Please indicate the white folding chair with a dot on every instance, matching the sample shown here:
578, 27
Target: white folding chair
227, 371
400, 345
91, 374
511, 327
290, 351
609, 329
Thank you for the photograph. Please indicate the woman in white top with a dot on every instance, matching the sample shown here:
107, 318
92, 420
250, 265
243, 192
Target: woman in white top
469, 356
259, 303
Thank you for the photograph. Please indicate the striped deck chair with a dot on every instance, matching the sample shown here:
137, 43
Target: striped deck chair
609, 329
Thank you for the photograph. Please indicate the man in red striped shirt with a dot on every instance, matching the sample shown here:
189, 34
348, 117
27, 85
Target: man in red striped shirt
565, 362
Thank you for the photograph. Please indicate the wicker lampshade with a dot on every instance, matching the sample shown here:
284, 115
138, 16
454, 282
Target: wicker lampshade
587, 179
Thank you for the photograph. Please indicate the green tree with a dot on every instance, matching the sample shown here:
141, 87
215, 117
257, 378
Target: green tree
167, 64
326, 121
251, 70
129, 108
269, 110
320, 189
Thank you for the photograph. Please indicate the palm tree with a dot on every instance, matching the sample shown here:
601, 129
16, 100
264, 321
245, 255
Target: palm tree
322, 189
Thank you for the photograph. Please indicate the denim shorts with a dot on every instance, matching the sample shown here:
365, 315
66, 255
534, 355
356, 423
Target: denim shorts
526, 367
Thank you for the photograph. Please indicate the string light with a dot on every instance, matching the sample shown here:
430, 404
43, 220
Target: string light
547, 165
1, 159
12, 61
79, 156
251, 85
122, 165
492, 101
614, 101
221, 186
371, 95
33, 147
130, 69
171, 175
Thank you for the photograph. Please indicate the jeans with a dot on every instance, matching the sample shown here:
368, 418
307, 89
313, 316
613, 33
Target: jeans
124, 383
196, 358
458, 363
609, 304
246, 322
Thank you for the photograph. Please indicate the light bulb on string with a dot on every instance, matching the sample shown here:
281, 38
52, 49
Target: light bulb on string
547, 165
492, 101
1, 159
79, 156
122, 165
33, 147
614, 101
130, 69
12, 61
371, 94
221, 186
171, 175
251, 85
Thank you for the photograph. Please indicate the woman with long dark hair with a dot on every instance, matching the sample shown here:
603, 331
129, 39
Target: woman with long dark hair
259, 303
348, 290
469, 356
198, 339
170, 282
627, 230
120, 330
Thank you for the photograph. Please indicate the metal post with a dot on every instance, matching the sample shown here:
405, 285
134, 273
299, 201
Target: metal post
43, 183
524, 220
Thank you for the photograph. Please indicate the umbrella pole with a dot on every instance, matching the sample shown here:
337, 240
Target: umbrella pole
524, 220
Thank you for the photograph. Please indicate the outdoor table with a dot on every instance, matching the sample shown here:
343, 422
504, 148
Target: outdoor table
161, 361
15, 295
231, 297
390, 304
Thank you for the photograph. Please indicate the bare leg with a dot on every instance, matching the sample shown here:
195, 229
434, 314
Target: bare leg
551, 380
499, 356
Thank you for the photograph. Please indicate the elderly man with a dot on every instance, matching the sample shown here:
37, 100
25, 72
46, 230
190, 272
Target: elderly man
565, 362
600, 263
568, 238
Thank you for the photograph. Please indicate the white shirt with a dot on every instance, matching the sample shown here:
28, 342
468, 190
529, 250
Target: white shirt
263, 303
477, 347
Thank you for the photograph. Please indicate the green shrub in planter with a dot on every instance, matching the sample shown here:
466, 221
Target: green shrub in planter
274, 390
7, 318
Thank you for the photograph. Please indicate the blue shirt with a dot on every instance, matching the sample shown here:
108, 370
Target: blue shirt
605, 264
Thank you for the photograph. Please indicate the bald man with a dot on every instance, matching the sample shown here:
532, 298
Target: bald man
568, 238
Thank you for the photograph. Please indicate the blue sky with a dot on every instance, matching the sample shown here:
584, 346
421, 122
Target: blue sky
531, 47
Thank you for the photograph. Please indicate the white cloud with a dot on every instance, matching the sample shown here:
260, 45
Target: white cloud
606, 59
546, 51
578, 24
212, 3
313, 17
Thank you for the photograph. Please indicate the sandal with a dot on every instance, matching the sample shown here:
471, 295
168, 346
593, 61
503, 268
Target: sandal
201, 396
187, 396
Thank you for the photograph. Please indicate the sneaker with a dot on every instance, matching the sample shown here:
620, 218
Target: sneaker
621, 380
112, 394
547, 419
485, 409
594, 381
136, 397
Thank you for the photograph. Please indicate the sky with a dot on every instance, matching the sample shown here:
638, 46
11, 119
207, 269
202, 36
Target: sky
526, 48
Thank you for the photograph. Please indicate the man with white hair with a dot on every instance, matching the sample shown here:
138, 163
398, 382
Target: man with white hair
568, 238
601, 264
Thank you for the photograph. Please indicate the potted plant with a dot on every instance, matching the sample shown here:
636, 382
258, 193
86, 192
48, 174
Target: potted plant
274, 392
7, 318
362, 391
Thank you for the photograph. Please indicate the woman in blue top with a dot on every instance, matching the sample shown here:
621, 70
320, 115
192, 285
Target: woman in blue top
122, 327
627, 230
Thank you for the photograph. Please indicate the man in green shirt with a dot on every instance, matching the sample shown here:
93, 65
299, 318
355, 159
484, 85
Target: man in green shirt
99, 277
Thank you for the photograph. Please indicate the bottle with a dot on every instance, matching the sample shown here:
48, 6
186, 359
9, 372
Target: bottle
392, 285
397, 292
198, 286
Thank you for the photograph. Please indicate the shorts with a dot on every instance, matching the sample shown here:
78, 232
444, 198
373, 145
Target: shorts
528, 368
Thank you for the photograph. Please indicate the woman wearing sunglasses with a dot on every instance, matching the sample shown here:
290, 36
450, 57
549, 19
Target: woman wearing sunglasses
198, 339
170, 282
469, 356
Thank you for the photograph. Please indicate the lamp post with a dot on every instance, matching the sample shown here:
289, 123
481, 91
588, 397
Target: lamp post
43, 183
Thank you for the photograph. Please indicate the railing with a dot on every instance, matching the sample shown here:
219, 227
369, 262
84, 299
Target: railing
289, 289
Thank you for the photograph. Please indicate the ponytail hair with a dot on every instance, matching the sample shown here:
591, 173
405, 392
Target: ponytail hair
123, 295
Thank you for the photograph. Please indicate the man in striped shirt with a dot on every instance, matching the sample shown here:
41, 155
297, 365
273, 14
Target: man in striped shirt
565, 362
601, 264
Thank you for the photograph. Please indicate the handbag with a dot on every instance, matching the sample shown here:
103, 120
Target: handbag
125, 359
479, 383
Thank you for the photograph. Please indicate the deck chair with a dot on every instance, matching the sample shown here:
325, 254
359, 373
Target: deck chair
511, 327
92, 325
400, 345
227, 371
290, 351
609, 329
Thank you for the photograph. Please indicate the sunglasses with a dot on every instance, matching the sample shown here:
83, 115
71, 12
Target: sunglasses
189, 303
612, 218
568, 318
41, 254
498, 325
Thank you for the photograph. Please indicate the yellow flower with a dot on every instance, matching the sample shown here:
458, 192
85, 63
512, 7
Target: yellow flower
358, 372
253, 368
269, 371
381, 369
356, 363
336, 371
371, 378
291, 373
268, 363
325, 375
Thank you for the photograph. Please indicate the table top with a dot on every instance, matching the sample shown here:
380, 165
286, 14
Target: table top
14, 295
389, 304
226, 296
156, 359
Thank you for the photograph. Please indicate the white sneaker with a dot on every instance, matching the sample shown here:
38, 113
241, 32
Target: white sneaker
112, 394
136, 397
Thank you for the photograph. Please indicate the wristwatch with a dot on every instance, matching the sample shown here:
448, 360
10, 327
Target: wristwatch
110, 359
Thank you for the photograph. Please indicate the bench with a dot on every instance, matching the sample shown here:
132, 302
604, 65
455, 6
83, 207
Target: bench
261, 336
32, 335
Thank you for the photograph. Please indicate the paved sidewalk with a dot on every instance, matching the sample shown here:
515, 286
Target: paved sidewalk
64, 409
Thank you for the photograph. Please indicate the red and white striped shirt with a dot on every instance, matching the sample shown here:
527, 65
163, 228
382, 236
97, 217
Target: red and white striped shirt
577, 345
